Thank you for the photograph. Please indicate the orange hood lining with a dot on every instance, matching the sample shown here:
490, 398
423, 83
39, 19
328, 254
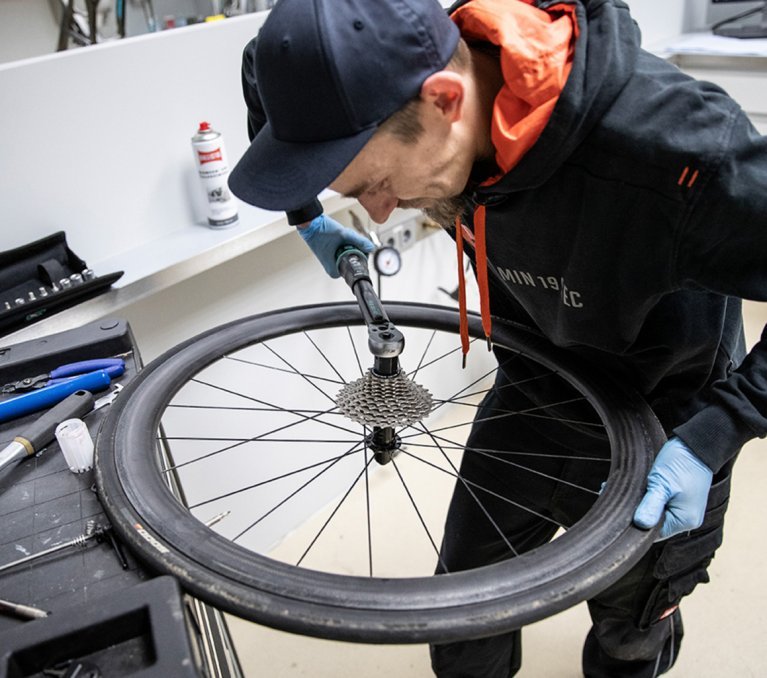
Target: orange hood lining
536, 54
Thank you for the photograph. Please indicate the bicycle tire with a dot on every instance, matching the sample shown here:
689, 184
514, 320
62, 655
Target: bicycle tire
496, 598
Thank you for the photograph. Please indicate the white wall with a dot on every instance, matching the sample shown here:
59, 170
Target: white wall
664, 19
30, 28
98, 139
659, 19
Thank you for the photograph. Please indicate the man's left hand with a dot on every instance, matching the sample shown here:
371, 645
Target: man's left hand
677, 487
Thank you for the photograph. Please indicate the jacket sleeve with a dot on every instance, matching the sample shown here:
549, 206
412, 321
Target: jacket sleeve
257, 119
724, 249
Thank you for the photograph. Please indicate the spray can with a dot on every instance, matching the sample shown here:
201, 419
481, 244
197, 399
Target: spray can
213, 168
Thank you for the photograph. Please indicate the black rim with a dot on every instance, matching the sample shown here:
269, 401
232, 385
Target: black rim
488, 600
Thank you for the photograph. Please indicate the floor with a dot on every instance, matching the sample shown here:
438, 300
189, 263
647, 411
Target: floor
724, 620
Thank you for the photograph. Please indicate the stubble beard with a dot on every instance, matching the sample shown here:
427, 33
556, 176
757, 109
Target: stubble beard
445, 210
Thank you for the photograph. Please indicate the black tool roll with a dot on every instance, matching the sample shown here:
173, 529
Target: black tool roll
42, 278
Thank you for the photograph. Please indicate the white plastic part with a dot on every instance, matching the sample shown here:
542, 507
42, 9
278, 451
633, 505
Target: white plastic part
76, 443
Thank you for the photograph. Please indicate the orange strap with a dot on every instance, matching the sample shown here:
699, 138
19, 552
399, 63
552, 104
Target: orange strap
464, 320
482, 280
481, 253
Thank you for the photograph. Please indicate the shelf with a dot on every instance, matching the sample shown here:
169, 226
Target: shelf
171, 259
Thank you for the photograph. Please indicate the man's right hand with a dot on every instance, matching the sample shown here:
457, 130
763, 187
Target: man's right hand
325, 237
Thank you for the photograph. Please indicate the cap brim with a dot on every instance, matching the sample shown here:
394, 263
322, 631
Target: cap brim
279, 175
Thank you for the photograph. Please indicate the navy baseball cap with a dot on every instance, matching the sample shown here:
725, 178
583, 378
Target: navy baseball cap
328, 73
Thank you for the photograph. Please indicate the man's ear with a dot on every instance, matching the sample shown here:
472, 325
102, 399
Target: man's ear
445, 91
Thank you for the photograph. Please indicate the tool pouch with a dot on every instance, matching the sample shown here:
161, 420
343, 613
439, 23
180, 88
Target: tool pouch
42, 278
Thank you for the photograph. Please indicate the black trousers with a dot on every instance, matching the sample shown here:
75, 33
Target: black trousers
637, 627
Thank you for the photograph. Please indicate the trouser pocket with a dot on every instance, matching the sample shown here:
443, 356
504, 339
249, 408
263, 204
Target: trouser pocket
684, 559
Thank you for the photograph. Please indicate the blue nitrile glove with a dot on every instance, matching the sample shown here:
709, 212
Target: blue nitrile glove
678, 484
325, 236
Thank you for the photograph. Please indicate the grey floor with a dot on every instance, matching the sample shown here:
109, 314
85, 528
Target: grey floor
725, 620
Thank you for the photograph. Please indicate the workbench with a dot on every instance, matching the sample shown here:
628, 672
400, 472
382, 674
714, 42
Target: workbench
103, 604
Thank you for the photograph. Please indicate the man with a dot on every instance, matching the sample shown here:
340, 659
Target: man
632, 197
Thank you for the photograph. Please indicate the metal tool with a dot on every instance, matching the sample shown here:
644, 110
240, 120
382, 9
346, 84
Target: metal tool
217, 518
41, 432
384, 397
92, 9
66, 21
22, 611
120, 17
114, 367
149, 16
92, 531
107, 399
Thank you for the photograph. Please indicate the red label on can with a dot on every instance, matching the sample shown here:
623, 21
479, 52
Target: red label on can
210, 156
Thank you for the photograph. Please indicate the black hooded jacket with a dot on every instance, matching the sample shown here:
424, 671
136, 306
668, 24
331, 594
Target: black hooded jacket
632, 228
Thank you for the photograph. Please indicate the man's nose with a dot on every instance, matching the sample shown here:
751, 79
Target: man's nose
379, 205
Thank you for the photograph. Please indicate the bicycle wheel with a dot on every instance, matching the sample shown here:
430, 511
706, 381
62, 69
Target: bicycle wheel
273, 436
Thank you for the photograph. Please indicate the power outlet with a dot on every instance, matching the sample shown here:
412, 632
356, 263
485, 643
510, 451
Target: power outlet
402, 230
402, 235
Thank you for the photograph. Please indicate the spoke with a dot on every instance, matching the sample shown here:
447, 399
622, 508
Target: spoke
253, 409
255, 438
559, 420
270, 480
324, 357
471, 492
423, 354
468, 386
221, 450
297, 372
444, 355
420, 517
335, 510
453, 445
505, 363
528, 413
538, 473
367, 509
268, 405
260, 439
458, 398
295, 492
354, 349
488, 491
283, 369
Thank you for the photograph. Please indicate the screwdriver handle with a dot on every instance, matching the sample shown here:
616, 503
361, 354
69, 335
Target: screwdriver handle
42, 431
